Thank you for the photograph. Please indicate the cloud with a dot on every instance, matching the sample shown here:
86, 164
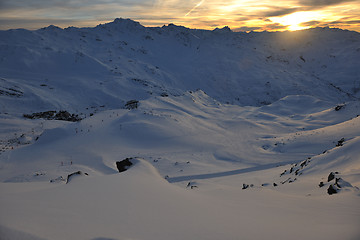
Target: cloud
322, 3
31, 23
310, 24
278, 11
70, 5
246, 29
349, 22
22, 4
274, 26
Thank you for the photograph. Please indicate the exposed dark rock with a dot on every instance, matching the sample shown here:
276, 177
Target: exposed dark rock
304, 163
287, 180
331, 190
340, 142
53, 115
132, 104
292, 180
321, 184
245, 186
62, 115
339, 107
124, 164
46, 115
331, 176
337, 182
191, 185
74, 174
274, 184
11, 92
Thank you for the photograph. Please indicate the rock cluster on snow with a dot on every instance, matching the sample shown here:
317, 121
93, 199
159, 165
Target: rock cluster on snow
335, 183
12, 92
132, 104
54, 115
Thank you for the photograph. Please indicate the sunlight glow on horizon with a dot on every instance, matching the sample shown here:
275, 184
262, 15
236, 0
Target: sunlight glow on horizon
244, 15
293, 21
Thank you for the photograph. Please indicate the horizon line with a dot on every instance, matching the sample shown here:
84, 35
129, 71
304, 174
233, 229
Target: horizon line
238, 29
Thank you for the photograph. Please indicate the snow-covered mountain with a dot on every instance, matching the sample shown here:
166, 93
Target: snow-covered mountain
231, 135
123, 60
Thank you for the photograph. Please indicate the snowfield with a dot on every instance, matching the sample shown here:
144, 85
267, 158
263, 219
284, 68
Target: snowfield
230, 135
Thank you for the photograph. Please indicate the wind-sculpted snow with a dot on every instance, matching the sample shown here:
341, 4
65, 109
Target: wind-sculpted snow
230, 135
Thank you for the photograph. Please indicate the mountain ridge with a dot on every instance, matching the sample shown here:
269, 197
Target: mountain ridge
233, 67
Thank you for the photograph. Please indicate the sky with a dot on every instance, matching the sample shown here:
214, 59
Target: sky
239, 15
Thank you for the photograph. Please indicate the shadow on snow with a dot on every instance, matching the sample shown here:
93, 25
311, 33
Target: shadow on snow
227, 173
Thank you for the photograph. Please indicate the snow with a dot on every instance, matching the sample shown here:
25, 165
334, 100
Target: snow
217, 110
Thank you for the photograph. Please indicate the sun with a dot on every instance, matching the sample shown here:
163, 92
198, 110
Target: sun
294, 21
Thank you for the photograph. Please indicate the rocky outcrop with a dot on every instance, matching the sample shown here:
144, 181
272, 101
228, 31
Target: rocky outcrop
331, 176
78, 173
124, 164
340, 143
132, 104
331, 190
54, 115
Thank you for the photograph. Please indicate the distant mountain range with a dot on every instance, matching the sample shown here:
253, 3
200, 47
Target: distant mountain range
122, 60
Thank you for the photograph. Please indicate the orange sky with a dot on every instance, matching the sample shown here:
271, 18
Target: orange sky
244, 15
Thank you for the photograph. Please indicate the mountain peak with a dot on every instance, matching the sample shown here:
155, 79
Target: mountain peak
51, 27
122, 23
225, 29
172, 26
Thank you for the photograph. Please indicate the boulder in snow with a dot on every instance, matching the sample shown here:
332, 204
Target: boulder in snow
331, 190
124, 164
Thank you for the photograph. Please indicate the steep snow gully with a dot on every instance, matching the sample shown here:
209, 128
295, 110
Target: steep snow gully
128, 132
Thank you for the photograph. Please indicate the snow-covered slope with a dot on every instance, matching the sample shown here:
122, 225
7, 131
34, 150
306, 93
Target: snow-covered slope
231, 135
123, 60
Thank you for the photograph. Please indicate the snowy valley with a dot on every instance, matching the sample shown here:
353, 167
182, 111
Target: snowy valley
230, 135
